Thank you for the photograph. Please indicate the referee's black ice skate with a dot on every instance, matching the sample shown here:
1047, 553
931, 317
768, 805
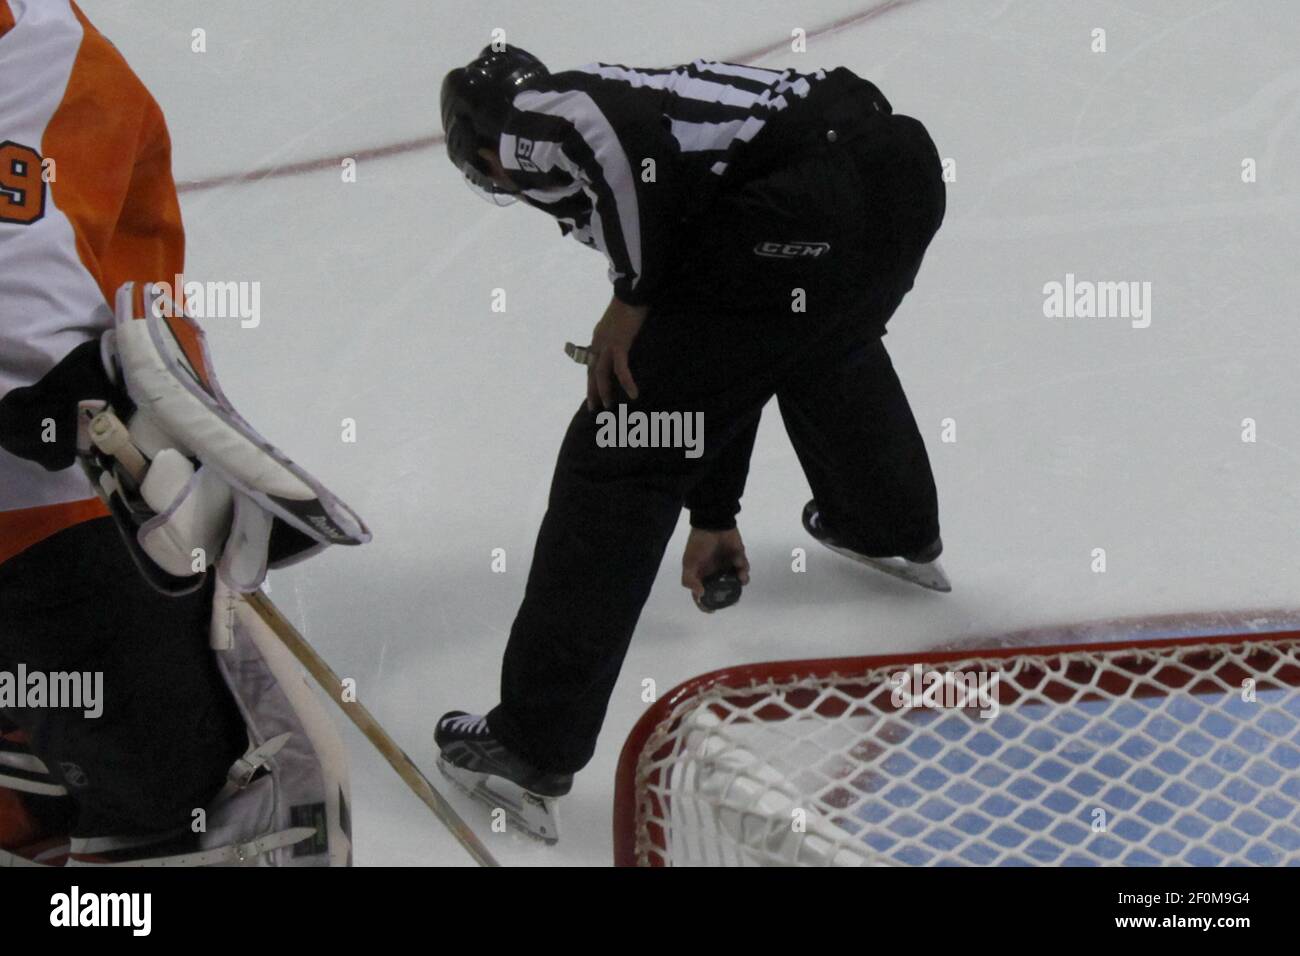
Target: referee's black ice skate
478, 763
921, 567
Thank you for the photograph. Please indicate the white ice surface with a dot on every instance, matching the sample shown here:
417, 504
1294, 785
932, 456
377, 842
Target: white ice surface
1072, 434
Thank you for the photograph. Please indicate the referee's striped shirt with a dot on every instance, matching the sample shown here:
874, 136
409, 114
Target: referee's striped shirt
580, 146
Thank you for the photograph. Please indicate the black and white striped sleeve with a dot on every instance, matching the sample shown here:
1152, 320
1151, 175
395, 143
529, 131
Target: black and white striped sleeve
604, 147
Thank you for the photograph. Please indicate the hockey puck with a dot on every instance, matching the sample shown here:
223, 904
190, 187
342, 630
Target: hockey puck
720, 590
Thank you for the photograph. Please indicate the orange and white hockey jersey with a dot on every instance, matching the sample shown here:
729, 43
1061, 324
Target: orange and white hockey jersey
87, 202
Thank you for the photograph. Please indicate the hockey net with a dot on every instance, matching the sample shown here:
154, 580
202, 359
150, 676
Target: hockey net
1183, 751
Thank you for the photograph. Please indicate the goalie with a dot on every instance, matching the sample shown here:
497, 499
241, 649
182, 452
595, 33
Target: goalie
210, 748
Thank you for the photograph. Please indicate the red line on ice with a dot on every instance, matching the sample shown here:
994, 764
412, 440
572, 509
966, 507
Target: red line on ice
426, 142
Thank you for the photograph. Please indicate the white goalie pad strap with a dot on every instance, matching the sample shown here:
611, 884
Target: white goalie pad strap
89, 846
241, 854
23, 771
39, 788
179, 391
22, 760
13, 859
295, 773
243, 565
20, 769
243, 770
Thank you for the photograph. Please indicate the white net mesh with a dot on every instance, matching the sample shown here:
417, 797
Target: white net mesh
1185, 754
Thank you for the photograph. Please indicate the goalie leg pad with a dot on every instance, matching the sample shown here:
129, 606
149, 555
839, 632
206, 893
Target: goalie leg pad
295, 774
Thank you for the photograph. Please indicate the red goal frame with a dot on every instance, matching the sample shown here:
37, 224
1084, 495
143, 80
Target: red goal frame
626, 810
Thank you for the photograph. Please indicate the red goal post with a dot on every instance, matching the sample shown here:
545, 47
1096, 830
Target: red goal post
1176, 750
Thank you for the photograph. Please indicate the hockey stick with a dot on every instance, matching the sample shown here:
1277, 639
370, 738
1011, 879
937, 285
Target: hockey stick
365, 722
111, 437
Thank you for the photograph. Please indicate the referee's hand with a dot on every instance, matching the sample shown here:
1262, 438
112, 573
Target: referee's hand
710, 552
611, 341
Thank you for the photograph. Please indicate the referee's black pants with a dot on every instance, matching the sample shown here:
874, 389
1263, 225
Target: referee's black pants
730, 339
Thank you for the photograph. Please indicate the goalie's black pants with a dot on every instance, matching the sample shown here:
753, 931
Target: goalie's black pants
612, 510
169, 729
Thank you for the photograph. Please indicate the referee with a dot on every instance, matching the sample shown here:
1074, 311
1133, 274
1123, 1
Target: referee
760, 227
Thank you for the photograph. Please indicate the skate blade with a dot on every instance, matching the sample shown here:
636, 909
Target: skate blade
930, 576
535, 815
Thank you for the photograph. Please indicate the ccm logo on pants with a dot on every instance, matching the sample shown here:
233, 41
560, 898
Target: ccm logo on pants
791, 250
